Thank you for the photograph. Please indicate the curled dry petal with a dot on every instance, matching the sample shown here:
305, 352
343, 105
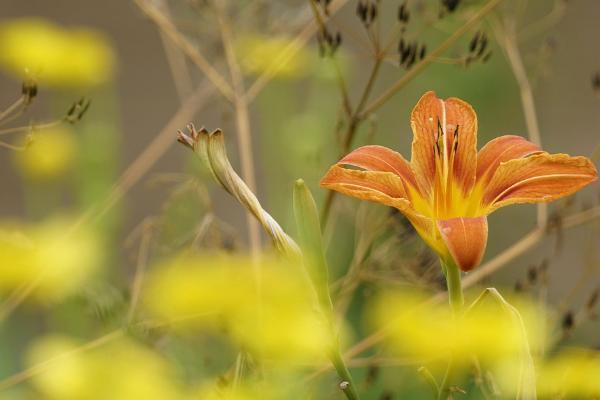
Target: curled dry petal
466, 239
539, 178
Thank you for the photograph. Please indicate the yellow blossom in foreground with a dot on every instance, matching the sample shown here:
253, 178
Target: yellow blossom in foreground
119, 370
44, 256
277, 54
275, 317
270, 388
50, 155
574, 373
426, 330
39, 49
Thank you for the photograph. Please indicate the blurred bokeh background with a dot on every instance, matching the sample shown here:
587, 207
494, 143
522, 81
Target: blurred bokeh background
108, 176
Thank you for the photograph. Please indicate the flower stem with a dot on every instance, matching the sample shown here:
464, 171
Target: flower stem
347, 385
455, 294
456, 299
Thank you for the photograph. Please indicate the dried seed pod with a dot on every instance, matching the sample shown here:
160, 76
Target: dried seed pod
596, 81
532, 275
450, 5
29, 90
367, 11
403, 13
422, 52
518, 287
592, 300
478, 49
568, 321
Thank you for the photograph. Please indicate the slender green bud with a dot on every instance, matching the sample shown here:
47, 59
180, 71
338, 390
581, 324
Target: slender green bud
311, 243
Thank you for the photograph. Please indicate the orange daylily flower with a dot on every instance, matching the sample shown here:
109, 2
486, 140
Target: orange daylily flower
448, 188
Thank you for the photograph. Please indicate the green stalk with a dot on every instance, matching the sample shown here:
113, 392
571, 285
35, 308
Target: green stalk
455, 294
456, 299
311, 244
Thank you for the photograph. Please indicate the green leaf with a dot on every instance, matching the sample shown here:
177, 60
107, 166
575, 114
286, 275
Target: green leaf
526, 385
311, 243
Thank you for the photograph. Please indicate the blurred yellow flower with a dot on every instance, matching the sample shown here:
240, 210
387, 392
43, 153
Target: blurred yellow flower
50, 54
44, 256
50, 155
573, 374
119, 370
430, 331
275, 317
278, 54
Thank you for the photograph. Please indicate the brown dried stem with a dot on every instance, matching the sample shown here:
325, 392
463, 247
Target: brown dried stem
242, 119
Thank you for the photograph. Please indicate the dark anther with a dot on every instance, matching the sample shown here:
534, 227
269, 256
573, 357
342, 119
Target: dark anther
568, 321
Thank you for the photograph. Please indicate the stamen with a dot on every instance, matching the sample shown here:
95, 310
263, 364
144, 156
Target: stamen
455, 139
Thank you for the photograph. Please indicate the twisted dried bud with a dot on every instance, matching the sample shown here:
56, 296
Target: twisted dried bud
210, 147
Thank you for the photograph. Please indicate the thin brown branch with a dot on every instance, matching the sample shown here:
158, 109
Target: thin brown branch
41, 367
140, 268
332, 57
508, 41
136, 170
166, 26
417, 68
243, 124
177, 64
290, 51
10, 109
150, 155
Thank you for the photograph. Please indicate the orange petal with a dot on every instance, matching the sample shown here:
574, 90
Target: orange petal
461, 118
466, 239
499, 150
381, 187
423, 121
381, 159
538, 178
454, 115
